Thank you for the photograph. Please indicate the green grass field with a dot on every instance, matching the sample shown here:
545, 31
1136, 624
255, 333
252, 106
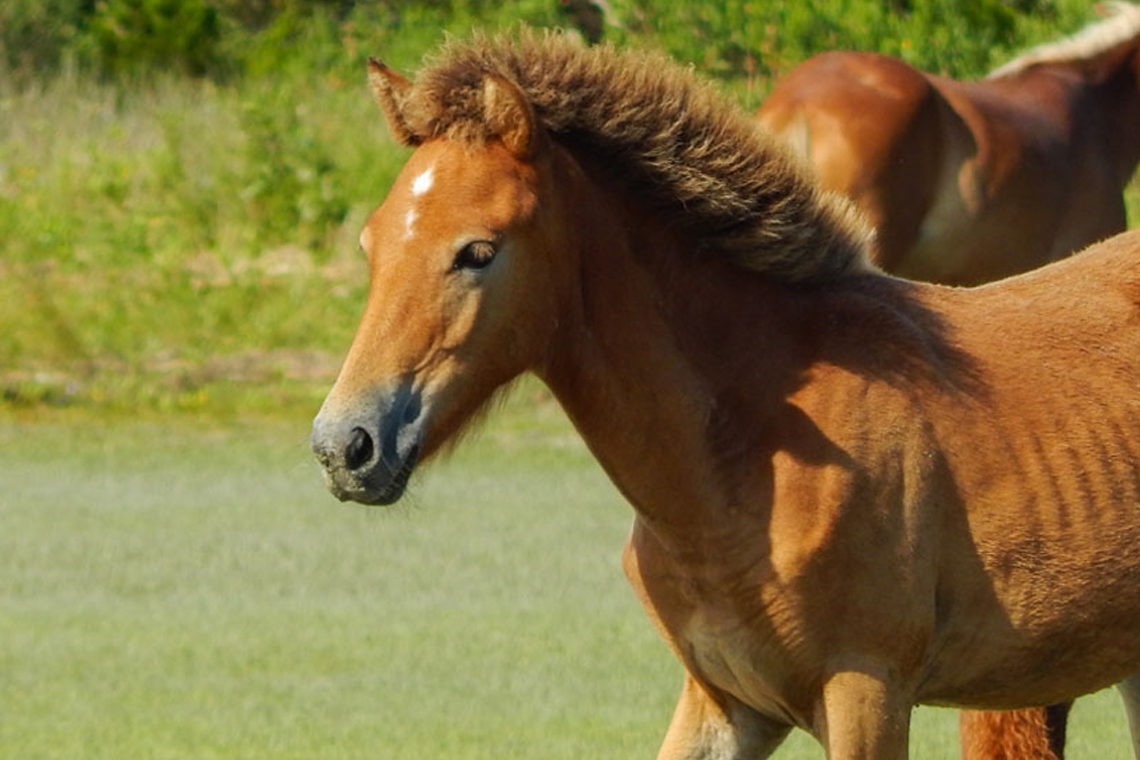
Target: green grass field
177, 589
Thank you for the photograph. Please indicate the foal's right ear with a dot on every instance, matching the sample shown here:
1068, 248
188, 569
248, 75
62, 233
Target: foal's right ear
389, 89
510, 116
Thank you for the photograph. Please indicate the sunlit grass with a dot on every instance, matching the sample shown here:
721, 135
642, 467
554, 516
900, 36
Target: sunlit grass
175, 591
175, 588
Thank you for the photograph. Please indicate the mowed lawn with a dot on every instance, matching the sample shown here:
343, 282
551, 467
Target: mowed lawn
178, 589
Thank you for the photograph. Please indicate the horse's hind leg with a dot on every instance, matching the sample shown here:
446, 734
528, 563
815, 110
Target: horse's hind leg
1129, 690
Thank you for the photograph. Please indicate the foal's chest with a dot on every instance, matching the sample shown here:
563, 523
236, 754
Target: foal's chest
730, 630
733, 658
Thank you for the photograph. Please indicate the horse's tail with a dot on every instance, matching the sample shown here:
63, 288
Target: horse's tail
1032, 734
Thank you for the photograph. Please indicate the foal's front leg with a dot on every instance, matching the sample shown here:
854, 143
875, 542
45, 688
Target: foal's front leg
705, 729
863, 718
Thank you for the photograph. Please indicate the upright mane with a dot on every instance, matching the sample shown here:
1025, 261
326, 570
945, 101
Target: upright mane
1121, 25
683, 148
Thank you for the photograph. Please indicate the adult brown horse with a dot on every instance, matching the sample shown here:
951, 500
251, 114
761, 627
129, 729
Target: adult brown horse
853, 493
968, 182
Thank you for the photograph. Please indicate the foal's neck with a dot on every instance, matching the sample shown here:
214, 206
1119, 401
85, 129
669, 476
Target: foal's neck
668, 365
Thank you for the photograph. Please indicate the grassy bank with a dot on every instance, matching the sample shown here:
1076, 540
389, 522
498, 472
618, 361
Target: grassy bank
149, 251
180, 242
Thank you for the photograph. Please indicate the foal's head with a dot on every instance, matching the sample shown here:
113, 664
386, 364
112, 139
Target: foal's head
534, 156
462, 294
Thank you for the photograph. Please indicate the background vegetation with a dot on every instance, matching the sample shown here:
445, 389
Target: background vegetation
182, 181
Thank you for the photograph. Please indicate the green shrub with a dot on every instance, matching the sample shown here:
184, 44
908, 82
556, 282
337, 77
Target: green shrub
289, 178
739, 39
34, 34
130, 36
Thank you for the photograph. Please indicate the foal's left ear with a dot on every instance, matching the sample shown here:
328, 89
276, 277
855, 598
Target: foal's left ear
510, 116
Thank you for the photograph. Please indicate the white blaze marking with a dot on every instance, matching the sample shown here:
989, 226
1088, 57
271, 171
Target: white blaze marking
423, 183
409, 222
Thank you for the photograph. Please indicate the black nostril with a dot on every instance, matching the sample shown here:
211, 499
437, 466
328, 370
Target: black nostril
359, 450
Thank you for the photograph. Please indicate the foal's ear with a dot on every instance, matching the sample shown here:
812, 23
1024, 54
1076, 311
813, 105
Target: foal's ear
510, 116
389, 89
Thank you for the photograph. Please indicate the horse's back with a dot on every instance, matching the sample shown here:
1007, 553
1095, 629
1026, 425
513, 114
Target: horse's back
1065, 336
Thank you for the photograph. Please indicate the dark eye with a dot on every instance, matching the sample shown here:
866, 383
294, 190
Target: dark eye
474, 255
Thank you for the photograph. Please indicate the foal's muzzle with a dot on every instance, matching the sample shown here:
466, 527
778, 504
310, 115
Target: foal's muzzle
368, 451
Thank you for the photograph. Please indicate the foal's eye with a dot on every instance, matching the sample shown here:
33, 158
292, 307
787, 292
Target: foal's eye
474, 255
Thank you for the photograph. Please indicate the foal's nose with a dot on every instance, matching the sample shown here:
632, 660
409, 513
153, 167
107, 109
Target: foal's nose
347, 449
359, 450
368, 450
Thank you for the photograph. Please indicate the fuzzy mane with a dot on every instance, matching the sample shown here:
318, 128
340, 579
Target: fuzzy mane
1121, 25
694, 156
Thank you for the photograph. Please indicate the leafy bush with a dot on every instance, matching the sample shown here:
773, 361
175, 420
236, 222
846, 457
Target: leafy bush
733, 39
740, 39
127, 36
289, 180
34, 34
